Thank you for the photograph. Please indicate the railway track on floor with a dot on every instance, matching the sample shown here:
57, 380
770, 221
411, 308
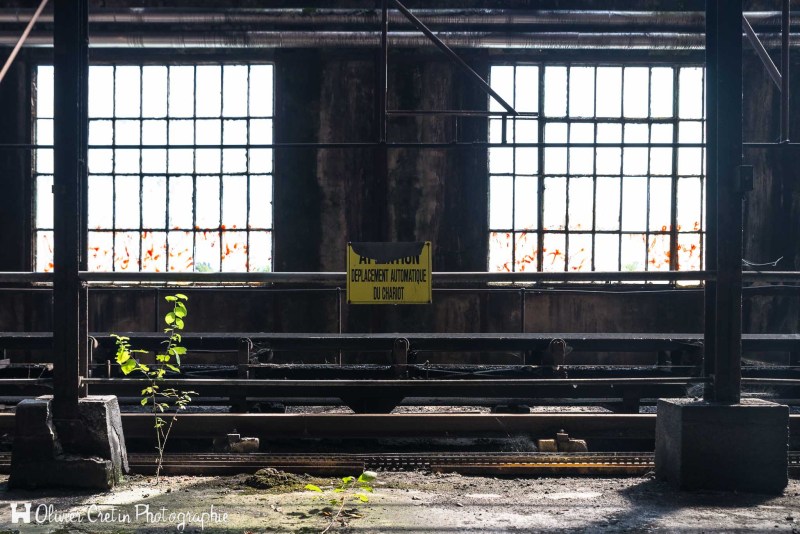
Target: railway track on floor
484, 464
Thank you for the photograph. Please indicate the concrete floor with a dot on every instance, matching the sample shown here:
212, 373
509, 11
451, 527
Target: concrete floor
407, 502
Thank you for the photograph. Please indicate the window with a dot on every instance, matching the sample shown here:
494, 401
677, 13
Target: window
176, 179
604, 196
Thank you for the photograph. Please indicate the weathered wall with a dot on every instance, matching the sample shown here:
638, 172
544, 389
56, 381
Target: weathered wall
14, 169
772, 209
325, 198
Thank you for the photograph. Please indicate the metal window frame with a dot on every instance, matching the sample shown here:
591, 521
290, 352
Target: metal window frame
543, 120
126, 60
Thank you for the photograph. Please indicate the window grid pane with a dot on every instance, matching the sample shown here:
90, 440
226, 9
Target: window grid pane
601, 206
176, 179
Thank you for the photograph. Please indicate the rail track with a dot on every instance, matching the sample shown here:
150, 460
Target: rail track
483, 464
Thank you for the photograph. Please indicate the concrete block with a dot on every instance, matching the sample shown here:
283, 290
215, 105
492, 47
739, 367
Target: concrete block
35, 436
729, 447
85, 453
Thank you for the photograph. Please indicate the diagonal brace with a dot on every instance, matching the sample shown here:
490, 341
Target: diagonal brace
455, 57
22, 40
762, 52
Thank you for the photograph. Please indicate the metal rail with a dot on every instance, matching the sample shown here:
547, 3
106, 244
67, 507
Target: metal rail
484, 464
355, 426
440, 279
456, 342
589, 426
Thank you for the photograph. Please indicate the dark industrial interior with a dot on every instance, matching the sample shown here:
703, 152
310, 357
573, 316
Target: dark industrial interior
608, 192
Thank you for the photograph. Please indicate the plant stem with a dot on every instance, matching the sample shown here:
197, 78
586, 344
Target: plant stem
338, 513
161, 448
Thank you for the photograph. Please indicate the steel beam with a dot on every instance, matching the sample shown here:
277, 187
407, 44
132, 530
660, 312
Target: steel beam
727, 145
785, 68
71, 65
710, 244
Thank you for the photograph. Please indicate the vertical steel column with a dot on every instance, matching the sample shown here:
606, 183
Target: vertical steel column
785, 87
71, 63
379, 188
383, 66
728, 344
709, 344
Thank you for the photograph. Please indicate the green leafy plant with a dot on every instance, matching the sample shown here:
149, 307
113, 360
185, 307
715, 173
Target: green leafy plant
161, 400
349, 489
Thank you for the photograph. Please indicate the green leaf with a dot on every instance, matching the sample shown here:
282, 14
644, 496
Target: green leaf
180, 310
169, 318
123, 357
143, 401
173, 368
147, 391
181, 296
348, 480
128, 367
170, 298
368, 476
312, 487
178, 323
178, 350
361, 497
338, 490
368, 488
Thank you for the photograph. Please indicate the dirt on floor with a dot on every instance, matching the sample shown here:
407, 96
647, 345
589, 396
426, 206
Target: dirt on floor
401, 502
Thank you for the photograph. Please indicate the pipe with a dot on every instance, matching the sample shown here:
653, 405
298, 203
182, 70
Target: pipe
668, 41
447, 278
25, 278
440, 278
275, 39
687, 20
439, 17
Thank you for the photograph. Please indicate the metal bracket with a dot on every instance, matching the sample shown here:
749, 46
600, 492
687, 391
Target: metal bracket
400, 357
744, 178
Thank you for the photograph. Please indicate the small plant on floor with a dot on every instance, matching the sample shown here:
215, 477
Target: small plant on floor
350, 488
161, 400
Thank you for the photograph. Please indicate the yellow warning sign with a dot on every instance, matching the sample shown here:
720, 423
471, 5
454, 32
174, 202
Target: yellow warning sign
389, 273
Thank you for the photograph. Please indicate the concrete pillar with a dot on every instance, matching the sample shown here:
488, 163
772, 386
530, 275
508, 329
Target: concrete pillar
94, 458
730, 447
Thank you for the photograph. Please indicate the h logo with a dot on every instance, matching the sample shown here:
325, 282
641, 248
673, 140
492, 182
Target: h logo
17, 516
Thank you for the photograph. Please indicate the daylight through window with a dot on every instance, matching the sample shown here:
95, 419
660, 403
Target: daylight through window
588, 203
175, 182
